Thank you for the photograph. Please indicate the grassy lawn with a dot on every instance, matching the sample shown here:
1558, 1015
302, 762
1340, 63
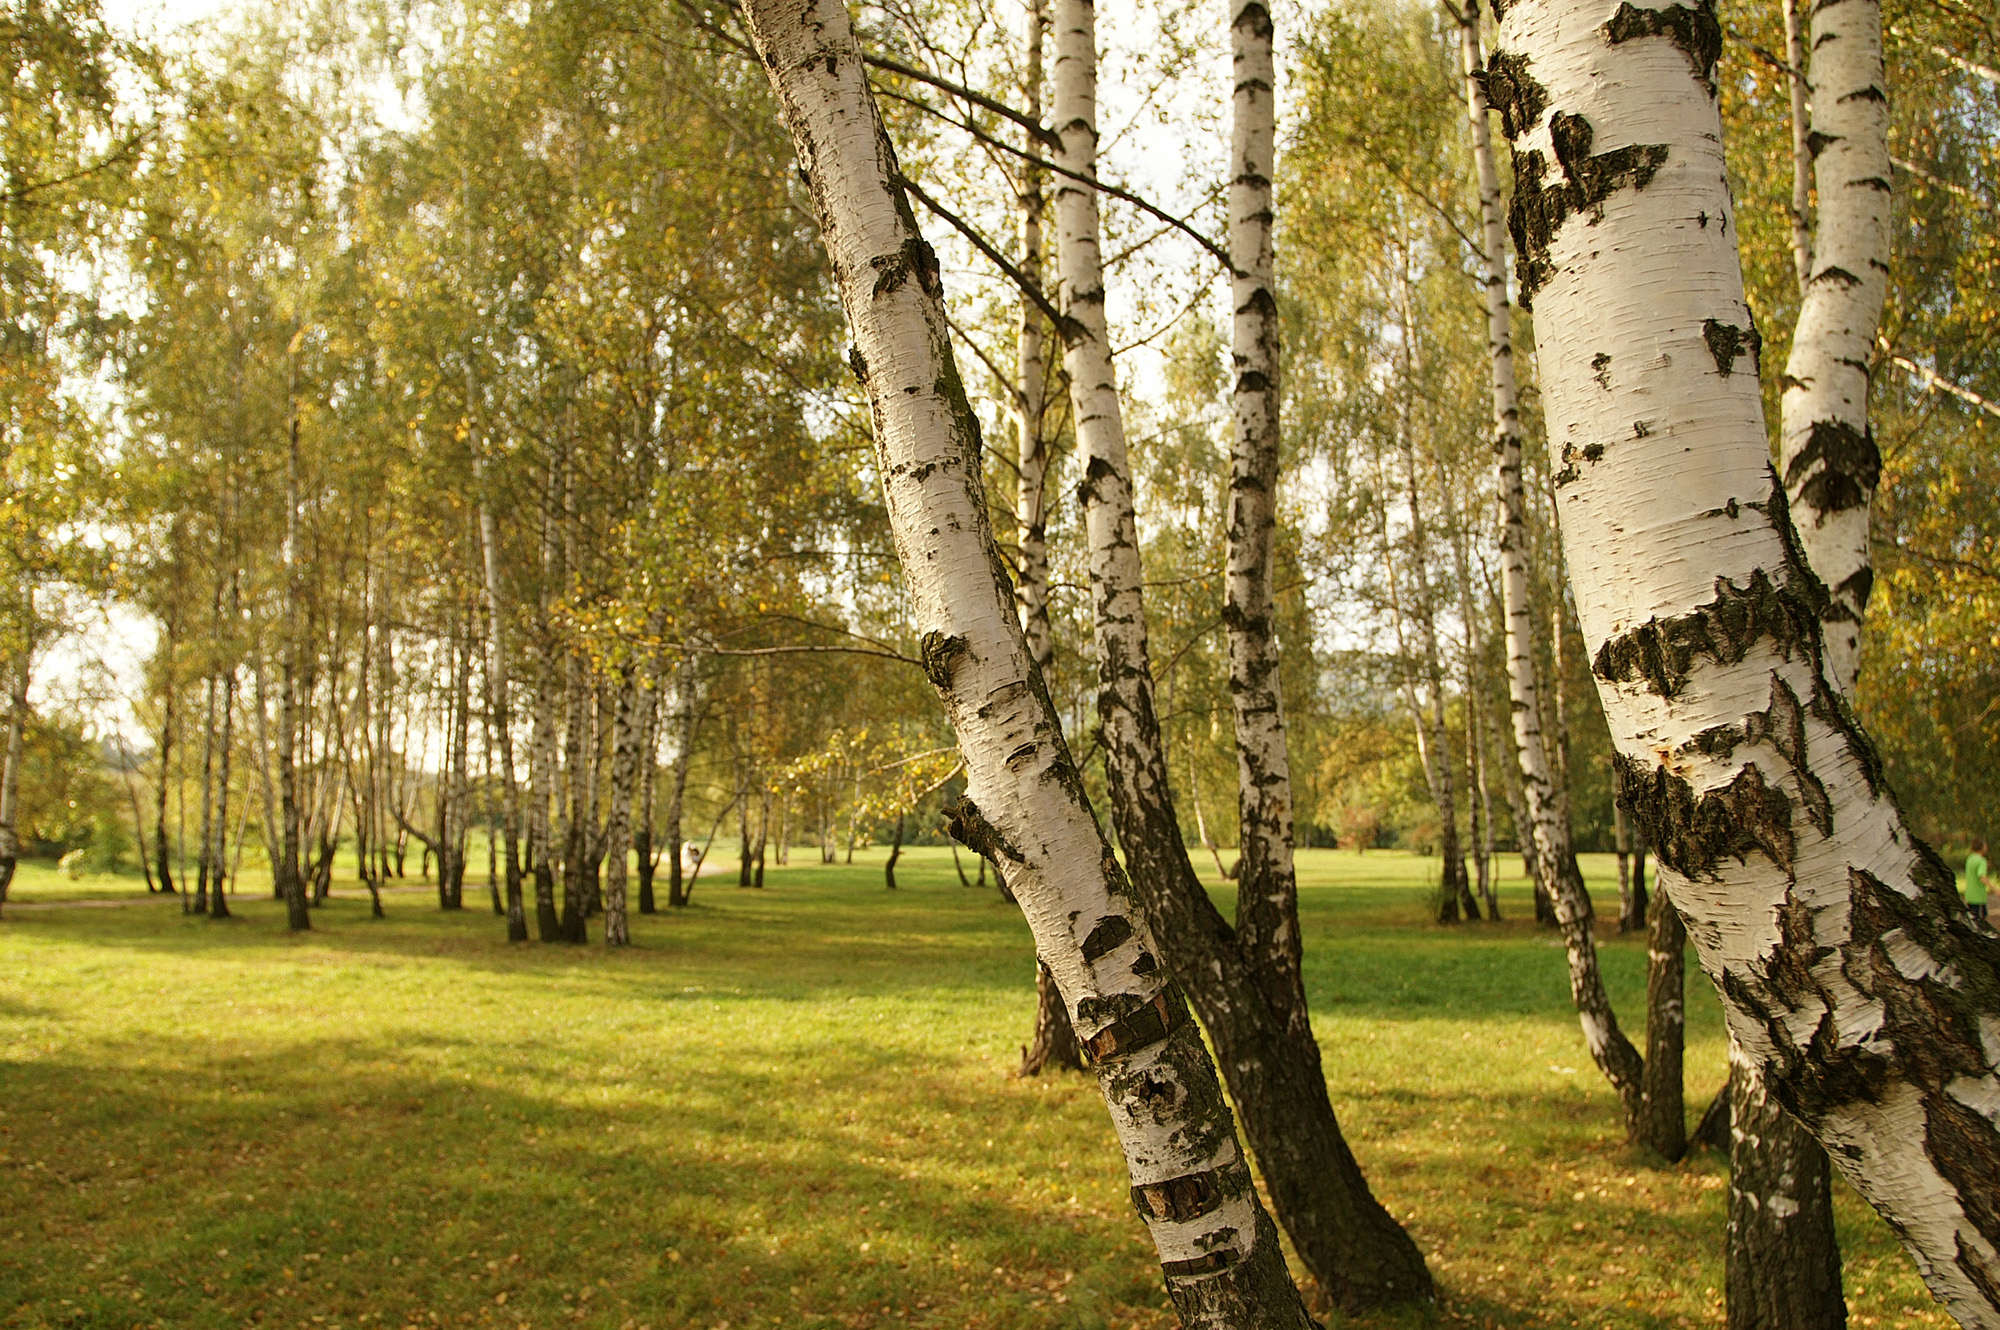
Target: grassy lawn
791, 1107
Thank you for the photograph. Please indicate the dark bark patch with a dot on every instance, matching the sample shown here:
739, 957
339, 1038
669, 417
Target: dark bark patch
1137, 1028
1817, 143
1848, 467
915, 258
1726, 343
859, 364
1220, 1259
1978, 1272
1514, 92
1783, 726
1693, 833
941, 655
1662, 651
1180, 1199
1840, 275
964, 823
1693, 28
1541, 207
1111, 932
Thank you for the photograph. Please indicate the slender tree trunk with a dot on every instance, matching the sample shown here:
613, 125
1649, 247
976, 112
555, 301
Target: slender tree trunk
290, 883
1830, 462
1555, 860
763, 836
1219, 1253
895, 853
1847, 968
1454, 894
459, 799
1031, 593
625, 729
10, 771
203, 851
1252, 1010
272, 829
649, 779
498, 703
683, 726
575, 807
218, 908
162, 846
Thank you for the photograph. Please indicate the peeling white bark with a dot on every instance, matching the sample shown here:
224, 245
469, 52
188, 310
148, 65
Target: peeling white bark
1830, 461
1025, 805
1848, 972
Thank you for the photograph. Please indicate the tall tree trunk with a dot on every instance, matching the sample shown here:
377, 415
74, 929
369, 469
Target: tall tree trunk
1454, 894
625, 728
1031, 593
203, 851
217, 907
289, 881
10, 768
1548, 819
162, 846
574, 799
649, 779
1848, 971
1257, 1019
685, 677
498, 703
459, 798
1218, 1251
1828, 450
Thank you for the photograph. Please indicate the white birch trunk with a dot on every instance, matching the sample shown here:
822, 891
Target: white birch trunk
496, 679
1267, 884
618, 822
1025, 803
1031, 388
1829, 456
1795, 79
10, 772
1849, 973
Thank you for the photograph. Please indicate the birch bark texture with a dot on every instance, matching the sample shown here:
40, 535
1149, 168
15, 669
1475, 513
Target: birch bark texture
1025, 804
1830, 461
1848, 971
1251, 1001
1267, 883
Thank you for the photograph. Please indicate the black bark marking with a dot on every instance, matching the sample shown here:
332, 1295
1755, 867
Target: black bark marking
1600, 369
1136, 1028
941, 655
1783, 726
1662, 651
1111, 932
1514, 93
1588, 179
1849, 467
1975, 1269
1693, 833
1220, 1259
1180, 1199
858, 363
1726, 343
965, 824
915, 257
1817, 143
1693, 28
1857, 587
1841, 275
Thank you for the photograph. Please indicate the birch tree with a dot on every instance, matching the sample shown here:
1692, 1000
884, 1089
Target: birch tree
1245, 982
1024, 806
1848, 972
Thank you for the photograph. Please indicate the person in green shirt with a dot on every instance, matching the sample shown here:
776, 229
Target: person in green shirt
1976, 869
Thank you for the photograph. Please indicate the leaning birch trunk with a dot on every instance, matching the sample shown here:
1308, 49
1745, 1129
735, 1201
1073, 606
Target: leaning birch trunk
1249, 1001
1828, 450
1555, 859
1218, 1251
625, 728
1849, 973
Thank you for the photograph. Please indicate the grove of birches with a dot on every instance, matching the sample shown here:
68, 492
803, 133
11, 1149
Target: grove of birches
580, 458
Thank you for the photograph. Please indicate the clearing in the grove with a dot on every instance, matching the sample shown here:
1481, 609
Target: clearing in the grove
793, 1107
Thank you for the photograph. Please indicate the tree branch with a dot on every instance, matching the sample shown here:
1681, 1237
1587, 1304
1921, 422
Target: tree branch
1066, 328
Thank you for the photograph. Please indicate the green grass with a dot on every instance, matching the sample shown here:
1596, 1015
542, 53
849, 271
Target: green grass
786, 1108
